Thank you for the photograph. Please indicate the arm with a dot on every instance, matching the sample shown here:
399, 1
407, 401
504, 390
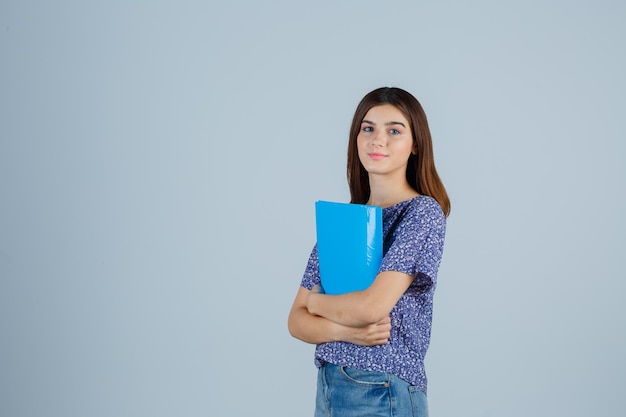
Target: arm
316, 329
416, 249
361, 308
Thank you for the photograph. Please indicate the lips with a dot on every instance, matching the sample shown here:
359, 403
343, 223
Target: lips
377, 156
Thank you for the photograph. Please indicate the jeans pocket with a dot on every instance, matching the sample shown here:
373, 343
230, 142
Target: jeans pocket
369, 378
419, 402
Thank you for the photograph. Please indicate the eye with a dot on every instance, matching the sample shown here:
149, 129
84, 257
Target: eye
368, 129
394, 131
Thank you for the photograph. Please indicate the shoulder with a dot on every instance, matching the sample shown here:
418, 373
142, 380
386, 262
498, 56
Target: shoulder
425, 215
421, 214
426, 209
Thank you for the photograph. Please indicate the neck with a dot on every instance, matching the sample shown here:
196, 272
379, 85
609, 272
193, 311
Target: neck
385, 192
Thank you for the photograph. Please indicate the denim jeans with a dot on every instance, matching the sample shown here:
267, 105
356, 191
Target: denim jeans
349, 392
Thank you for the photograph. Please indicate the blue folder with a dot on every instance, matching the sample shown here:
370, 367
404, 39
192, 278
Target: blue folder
349, 245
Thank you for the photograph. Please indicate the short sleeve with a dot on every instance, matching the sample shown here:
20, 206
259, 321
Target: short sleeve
416, 244
312, 271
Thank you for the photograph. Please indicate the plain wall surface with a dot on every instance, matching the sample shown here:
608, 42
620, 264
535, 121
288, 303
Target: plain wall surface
159, 164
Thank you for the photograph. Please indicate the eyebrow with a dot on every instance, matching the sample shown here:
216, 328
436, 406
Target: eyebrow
386, 124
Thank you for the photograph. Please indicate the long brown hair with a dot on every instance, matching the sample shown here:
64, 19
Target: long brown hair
420, 172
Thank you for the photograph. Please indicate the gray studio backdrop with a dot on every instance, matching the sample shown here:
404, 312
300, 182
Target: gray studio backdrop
159, 162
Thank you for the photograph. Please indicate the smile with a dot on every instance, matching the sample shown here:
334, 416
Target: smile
376, 156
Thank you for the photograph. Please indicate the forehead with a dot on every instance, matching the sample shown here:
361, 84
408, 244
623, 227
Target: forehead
385, 113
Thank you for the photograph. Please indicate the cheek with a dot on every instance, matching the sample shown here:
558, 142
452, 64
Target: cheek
361, 147
360, 143
407, 147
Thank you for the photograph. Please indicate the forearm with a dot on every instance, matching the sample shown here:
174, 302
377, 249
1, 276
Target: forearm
316, 329
361, 308
352, 309
312, 329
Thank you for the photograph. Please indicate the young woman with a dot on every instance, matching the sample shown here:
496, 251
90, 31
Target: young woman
371, 343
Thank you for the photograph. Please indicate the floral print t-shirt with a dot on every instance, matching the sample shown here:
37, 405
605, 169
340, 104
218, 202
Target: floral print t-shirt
413, 237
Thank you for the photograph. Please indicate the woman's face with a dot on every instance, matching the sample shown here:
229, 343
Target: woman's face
385, 141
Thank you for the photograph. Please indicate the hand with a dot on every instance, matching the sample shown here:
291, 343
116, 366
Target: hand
374, 334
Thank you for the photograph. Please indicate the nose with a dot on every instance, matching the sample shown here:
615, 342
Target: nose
379, 139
